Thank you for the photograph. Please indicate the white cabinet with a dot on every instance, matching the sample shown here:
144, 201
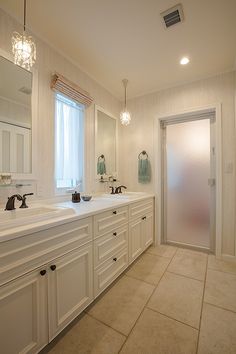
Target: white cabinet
23, 314
109, 220
35, 307
110, 270
140, 228
70, 287
147, 229
107, 245
49, 277
135, 239
110, 247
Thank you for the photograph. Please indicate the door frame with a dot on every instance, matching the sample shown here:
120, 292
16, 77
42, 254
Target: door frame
158, 172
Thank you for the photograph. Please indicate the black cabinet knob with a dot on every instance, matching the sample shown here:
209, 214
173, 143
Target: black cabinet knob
115, 259
114, 233
114, 212
144, 218
53, 267
43, 272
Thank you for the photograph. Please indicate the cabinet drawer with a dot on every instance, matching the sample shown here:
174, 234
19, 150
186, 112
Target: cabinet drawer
140, 209
107, 245
110, 270
110, 220
23, 254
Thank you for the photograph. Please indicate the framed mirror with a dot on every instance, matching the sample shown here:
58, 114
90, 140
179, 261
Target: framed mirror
105, 143
17, 109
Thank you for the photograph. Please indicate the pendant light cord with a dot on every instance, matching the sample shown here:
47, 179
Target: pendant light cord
24, 14
125, 96
125, 83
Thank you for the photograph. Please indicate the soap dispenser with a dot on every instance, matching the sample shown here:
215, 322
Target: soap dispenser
76, 197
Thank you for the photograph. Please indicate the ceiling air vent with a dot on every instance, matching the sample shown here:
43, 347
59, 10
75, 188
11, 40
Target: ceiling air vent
173, 15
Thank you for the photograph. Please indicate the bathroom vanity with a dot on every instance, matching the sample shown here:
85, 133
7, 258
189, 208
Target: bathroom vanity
52, 268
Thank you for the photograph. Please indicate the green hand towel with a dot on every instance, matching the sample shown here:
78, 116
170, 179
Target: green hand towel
101, 167
144, 171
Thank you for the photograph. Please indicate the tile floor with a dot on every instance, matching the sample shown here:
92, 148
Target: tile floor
170, 301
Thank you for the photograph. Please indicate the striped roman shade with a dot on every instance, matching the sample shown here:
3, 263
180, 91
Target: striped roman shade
61, 84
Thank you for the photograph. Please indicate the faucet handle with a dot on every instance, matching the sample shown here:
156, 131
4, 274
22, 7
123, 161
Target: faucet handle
24, 195
23, 204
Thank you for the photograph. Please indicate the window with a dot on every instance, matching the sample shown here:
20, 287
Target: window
69, 143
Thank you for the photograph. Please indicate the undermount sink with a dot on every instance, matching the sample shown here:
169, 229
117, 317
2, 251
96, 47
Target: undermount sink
125, 195
20, 217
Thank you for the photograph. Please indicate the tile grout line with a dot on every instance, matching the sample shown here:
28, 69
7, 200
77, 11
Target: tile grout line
107, 325
144, 281
203, 294
219, 307
222, 271
172, 318
185, 276
145, 306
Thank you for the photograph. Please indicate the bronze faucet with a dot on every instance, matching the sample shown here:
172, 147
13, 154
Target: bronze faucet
11, 201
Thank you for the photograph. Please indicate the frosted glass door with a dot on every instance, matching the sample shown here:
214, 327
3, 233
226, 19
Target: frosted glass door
187, 193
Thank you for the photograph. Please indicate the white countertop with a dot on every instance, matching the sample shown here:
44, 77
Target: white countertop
97, 204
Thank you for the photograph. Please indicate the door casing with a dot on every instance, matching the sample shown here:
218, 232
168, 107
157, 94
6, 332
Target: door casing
158, 169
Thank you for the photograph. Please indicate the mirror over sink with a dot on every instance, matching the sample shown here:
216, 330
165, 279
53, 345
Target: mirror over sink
15, 119
105, 144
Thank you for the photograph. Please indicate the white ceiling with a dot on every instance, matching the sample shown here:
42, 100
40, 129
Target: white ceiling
116, 39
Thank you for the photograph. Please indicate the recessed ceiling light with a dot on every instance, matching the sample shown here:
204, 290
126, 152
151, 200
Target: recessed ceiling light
184, 61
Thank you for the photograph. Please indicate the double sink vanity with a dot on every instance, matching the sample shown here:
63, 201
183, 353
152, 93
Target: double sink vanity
56, 258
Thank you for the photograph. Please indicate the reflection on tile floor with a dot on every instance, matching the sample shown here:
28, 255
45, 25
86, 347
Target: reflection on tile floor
168, 302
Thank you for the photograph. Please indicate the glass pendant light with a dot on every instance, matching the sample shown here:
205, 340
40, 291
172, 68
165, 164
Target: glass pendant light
23, 47
125, 116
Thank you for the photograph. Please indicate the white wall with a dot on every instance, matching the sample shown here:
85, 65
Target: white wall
48, 61
139, 136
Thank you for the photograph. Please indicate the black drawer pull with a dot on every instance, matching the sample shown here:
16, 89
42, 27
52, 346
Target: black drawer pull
53, 267
144, 218
114, 233
115, 259
114, 212
43, 272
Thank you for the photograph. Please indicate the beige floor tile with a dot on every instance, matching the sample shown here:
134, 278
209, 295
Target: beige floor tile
122, 304
220, 289
189, 263
178, 297
89, 336
157, 334
149, 268
218, 329
162, 250
224, 266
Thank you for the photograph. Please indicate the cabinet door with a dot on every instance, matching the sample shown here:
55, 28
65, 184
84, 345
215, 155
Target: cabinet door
135, 239
23, 314
147, 231
70, 287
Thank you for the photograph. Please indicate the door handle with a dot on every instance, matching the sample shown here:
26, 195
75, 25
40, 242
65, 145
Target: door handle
211, 182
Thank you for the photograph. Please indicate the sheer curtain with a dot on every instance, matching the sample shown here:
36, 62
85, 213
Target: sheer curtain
69, 142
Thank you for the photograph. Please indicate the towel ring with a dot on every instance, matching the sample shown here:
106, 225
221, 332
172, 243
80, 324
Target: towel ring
144, 153
101, 157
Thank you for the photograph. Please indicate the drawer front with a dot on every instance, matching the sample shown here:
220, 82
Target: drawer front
110, 270
107, 245
140, 209
109, 220
23, 254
